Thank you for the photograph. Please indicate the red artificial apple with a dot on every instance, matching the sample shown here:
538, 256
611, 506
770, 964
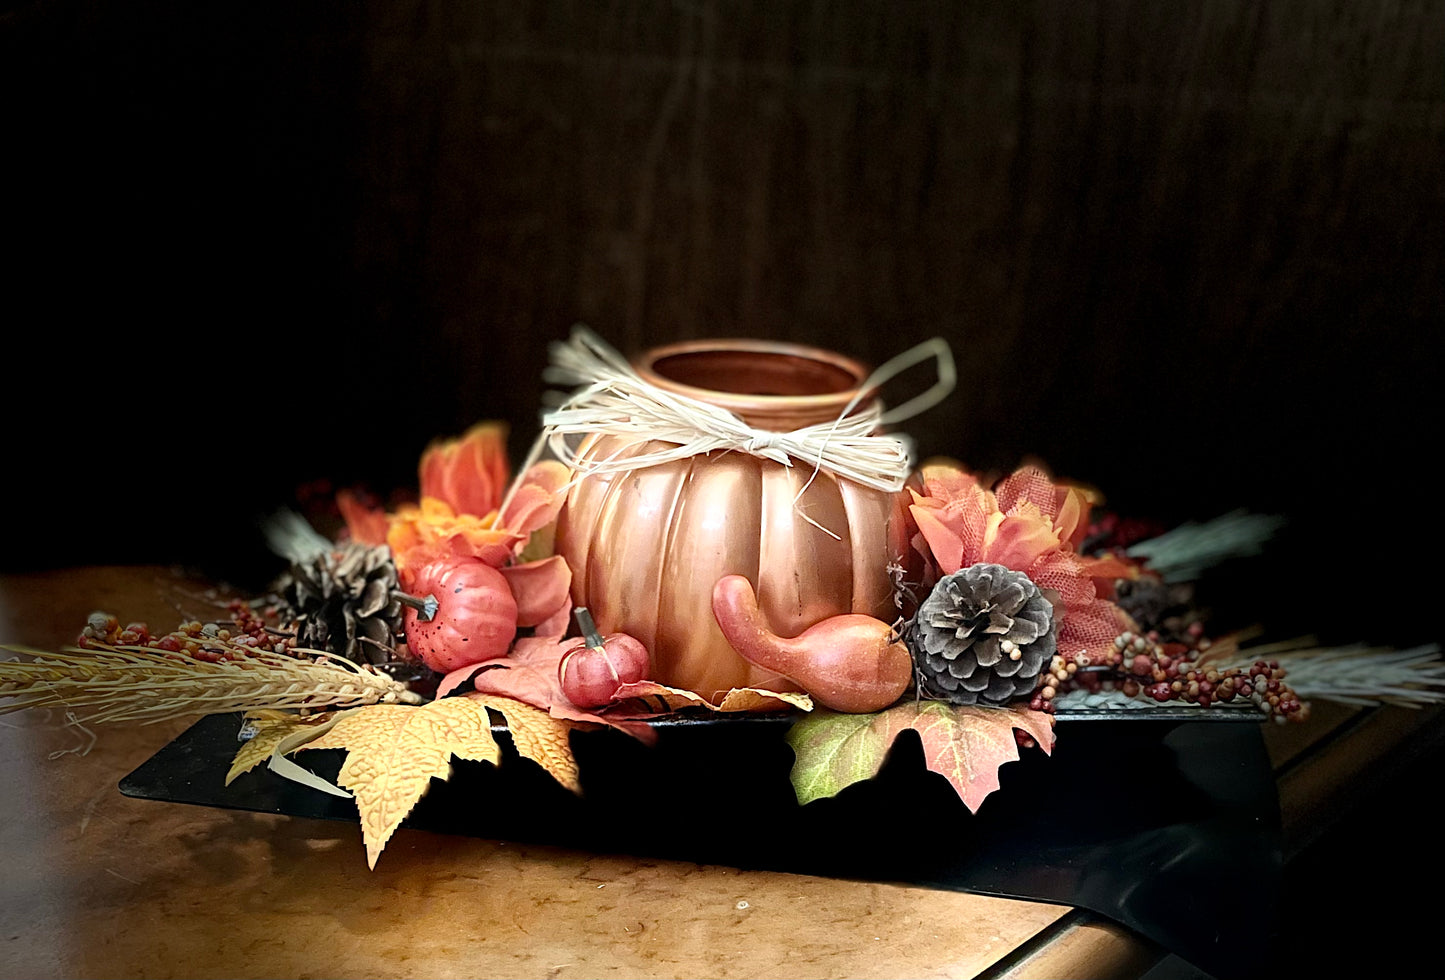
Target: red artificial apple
594, 667
475, 616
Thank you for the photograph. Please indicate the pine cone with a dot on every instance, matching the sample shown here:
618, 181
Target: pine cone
982, 636
341, 601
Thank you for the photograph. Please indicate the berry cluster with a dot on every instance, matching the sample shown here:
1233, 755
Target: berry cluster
1167, 672
244, 633
1112, 534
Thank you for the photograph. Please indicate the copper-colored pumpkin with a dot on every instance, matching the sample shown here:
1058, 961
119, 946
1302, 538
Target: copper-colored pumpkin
646, 546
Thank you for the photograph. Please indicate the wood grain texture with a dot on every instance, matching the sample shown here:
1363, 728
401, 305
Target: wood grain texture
1085, 948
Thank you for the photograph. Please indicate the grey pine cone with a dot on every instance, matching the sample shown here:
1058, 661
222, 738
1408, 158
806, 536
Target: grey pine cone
982, 636
341, 601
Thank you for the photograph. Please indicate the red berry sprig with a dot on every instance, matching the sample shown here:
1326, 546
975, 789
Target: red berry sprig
244, 633
1168, 672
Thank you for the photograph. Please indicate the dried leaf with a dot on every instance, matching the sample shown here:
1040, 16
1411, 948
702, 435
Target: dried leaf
659, 698
964, 743
752, 699
393, 752
270, 728
529, 674
539, 737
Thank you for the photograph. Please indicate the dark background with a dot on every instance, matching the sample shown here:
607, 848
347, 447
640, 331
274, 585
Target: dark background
1192, 253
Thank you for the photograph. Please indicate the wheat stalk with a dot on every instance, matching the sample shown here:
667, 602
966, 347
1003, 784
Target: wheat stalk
137, 684
1358, 674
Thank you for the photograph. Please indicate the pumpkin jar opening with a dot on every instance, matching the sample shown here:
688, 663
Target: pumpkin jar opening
770, 385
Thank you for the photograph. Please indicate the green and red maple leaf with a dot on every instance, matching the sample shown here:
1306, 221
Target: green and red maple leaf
963, 743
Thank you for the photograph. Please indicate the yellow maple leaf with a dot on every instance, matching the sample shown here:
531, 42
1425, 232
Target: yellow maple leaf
539, 737
393, 751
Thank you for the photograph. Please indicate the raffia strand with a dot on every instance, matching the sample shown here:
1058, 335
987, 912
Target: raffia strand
609, 398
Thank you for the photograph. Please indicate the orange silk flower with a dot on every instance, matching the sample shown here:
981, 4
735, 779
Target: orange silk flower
463, 483
1031, 525
469, 474
434, 530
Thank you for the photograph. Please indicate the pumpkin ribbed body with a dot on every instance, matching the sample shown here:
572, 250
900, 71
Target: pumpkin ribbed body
646, 547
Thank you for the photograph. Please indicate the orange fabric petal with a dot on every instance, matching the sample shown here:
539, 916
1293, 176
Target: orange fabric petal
1071, 521
1112, 566
539, 588
957, 504
404, 531
1067, 507
551, 475
1108, 569
492, 547
949, 482
943, 542
538, 499
969, 510
468, 473
366, 525
433, 530
557, 620
434, 472
1028, 483
1021, 538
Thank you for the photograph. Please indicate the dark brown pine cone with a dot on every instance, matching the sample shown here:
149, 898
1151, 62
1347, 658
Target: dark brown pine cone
342, 601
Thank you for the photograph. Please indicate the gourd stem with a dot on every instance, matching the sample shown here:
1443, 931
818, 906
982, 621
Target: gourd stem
587, 626
426, 608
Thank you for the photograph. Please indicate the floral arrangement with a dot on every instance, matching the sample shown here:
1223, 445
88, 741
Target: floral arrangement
407, 637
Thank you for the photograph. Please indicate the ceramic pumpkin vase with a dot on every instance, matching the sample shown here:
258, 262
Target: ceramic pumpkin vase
646, 546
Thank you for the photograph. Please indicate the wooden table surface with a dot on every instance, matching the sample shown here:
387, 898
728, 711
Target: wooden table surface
98, 884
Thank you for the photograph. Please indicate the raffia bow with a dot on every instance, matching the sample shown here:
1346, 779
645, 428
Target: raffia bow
611, 399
